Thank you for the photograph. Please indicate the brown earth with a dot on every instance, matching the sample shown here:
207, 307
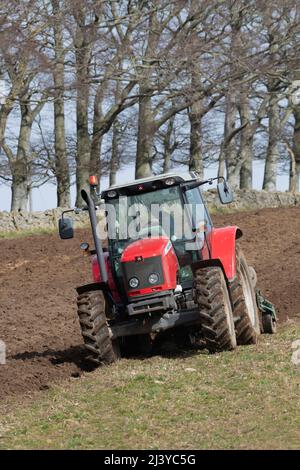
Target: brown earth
38, 274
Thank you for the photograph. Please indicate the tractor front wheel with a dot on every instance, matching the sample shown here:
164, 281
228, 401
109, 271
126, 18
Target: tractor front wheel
244, 305
215, 312
94, 328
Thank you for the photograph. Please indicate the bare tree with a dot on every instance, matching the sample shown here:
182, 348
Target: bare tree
61, 161
22, 60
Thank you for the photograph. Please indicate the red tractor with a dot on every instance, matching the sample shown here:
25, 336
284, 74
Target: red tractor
173, 271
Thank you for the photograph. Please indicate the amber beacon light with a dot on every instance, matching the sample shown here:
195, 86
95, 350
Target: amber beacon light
93, 180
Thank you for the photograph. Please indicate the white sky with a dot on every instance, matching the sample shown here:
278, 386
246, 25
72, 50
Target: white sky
45, 196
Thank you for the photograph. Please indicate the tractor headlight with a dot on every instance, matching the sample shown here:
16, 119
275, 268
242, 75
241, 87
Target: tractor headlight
153, 278
133, 282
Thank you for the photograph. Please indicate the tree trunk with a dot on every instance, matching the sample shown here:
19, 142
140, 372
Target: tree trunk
115, 157
114, 163
146, 128
83, 148
246, 154
61, 161
272, 156
233, 164
167, 143
83, 153
96, 144
296, 143
221, 163
293, 171
145, 136
195, 161
167, 160
4, 113
20, 167
195, 117
246, 169
19, 188
229, 146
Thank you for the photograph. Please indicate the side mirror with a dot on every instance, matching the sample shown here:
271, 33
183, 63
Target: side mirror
225, 192
65, 227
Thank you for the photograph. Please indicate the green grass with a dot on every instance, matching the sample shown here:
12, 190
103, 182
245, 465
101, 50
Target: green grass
27, 233
228, 209
36, 231
244, 399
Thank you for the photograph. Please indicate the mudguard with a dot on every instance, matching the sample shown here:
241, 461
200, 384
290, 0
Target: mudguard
91, 287
222, 243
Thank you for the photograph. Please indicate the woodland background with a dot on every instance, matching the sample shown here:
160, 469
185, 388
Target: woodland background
91, 87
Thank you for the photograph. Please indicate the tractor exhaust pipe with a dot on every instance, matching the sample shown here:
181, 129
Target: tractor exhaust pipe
98, 245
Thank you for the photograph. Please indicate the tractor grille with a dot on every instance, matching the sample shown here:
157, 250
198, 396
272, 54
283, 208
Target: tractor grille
142, 270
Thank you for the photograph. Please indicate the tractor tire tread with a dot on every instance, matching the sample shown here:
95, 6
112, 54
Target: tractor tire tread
209, 295
245, 331
94, 328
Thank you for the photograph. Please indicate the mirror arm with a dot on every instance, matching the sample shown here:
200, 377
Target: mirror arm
186, 186
76, 210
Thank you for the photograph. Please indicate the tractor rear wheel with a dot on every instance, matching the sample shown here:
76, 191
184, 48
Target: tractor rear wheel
212, 297
94, 328
244, 305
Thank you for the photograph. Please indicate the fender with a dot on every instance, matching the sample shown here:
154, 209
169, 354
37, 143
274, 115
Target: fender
97, 286
91, 287
223, 244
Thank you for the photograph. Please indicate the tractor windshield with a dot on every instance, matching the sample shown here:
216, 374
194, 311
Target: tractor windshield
146, 214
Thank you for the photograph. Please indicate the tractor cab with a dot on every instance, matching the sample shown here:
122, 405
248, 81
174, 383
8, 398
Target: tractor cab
156, 228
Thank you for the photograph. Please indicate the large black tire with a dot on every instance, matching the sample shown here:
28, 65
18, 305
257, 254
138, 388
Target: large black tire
212, 297
244, 305
94, 328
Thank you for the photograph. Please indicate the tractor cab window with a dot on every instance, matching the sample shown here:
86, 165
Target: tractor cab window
201, 220
196, 207
143, 215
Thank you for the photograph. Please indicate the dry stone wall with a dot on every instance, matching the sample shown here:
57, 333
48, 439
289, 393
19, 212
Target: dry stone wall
48, 220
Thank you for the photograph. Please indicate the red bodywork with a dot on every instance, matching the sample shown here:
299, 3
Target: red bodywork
97, 275
147, 248
222, 242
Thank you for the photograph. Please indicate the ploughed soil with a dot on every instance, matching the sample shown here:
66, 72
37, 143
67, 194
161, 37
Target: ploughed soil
38, 276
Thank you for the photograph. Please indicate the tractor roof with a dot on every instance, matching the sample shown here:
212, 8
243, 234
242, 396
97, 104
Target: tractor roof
180, 177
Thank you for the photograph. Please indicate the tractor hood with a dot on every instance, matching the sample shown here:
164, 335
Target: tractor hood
146, 248
152, 264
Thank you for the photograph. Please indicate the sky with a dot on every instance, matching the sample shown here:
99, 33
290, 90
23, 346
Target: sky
45, 197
